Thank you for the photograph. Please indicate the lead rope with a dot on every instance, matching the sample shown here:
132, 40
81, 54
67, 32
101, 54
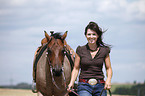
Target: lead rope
108, 90
53, 81
74, 92
64, 77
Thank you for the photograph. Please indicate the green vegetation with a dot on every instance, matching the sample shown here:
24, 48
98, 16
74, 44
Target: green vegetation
18, 86
128, 89
115, 86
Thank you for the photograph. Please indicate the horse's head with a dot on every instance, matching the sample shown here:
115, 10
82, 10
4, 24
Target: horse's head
56, 49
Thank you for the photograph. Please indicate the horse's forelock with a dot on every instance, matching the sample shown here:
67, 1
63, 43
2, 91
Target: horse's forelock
57, 35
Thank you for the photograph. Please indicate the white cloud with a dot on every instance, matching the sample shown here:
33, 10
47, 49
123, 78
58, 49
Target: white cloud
17, 2
136, 10
122, 9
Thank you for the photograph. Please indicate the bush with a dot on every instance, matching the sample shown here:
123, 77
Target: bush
134, 90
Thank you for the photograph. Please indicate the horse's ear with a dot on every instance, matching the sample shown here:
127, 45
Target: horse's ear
64, 35
47, 36
43, 41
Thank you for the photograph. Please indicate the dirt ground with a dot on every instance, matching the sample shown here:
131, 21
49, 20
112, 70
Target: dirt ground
22, 92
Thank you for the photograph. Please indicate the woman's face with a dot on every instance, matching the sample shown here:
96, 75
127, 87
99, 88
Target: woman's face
91, 36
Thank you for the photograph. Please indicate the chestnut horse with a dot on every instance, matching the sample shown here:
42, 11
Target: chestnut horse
53, 68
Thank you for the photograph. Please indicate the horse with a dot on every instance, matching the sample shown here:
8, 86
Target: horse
53, 68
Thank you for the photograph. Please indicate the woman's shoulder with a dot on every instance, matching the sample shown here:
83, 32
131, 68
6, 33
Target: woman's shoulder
105, 49
81, 47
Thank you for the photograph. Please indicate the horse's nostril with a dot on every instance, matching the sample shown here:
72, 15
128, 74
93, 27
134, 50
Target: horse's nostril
57, 71
53, 70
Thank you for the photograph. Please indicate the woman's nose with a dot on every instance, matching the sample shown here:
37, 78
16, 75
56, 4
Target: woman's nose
91, 36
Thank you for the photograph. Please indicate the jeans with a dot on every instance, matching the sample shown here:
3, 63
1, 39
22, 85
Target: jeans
85, 89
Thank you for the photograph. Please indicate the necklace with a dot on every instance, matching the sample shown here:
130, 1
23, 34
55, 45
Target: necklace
91, 49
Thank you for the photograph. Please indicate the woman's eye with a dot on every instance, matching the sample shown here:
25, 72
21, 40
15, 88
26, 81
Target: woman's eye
94, 34
89, 34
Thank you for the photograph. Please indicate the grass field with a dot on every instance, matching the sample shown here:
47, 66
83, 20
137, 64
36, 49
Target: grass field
114, 86
23, 92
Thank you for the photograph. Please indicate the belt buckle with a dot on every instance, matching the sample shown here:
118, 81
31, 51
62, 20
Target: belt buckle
92, 81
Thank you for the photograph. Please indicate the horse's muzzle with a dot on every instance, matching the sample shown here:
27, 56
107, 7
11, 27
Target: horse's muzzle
57, 71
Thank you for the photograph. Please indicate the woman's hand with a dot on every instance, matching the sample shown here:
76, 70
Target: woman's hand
107, 84
70, 87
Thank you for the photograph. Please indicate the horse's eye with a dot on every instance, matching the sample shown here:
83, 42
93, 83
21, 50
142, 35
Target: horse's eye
63, 50
49, 50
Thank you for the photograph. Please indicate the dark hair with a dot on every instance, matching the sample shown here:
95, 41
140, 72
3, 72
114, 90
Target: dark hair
94, 26
56, 35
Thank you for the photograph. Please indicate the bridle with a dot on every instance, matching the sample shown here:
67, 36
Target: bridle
51, 67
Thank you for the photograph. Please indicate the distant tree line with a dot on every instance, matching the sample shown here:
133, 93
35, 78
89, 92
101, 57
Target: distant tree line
138, 90
18, 86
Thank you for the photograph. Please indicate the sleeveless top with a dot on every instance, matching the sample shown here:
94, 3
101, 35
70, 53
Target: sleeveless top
92, 67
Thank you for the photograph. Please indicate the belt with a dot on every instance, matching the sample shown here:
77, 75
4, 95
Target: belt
95, 81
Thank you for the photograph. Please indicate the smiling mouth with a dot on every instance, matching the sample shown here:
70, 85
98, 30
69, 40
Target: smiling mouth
91, 40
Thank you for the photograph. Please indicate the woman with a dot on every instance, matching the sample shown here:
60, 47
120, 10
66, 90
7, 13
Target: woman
90, 59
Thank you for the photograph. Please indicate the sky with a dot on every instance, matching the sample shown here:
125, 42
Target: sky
22, 25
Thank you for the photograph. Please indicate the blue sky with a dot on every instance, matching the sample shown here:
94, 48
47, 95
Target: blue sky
22, 23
